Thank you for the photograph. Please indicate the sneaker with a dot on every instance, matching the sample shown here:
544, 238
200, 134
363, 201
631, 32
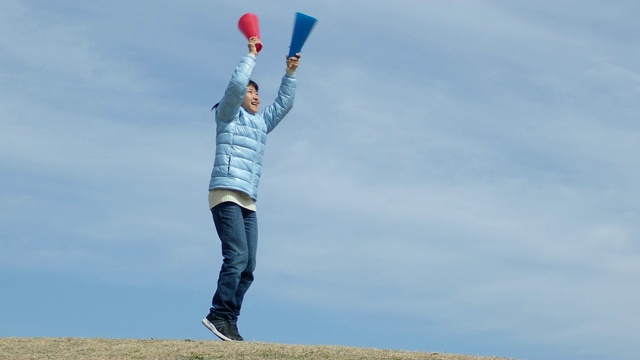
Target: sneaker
220, 327
234, 331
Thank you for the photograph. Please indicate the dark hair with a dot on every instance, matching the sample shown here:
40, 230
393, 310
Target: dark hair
255, 85
251, 82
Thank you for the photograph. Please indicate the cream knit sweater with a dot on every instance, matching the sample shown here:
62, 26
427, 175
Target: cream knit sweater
218, 196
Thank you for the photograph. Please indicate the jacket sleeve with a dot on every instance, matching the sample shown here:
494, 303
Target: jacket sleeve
236, 90
275, 112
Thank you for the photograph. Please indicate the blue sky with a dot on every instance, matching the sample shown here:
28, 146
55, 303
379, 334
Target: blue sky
455, 176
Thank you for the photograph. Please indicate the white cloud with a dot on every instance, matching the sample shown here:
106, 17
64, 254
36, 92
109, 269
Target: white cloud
468, 163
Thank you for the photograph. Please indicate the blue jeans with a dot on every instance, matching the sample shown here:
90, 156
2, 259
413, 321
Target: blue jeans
237, 228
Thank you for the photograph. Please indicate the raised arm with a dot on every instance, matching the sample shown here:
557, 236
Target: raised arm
229, 105
275, 112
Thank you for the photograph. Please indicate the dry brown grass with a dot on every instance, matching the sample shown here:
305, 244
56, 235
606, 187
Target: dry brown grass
111, 349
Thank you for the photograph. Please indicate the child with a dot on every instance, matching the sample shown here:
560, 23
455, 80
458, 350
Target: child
241, 134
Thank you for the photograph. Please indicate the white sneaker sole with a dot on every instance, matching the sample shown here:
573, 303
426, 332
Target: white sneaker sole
213, 329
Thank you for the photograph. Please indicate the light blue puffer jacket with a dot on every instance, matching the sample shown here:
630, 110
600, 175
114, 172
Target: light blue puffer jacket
240, 136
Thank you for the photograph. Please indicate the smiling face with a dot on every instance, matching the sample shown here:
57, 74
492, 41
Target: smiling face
251, 101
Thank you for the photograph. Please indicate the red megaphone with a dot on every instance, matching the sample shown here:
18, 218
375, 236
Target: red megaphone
249, 27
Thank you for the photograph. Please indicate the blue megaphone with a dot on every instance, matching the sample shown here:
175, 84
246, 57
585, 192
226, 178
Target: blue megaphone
301, 30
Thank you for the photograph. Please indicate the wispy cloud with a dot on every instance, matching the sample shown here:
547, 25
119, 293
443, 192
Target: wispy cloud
465, 164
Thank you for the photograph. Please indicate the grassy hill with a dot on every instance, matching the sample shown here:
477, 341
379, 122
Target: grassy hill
115, 349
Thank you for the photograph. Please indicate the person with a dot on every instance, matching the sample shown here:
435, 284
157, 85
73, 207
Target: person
241, 134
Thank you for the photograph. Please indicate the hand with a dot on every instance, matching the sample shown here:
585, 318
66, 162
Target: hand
293, 63
253, 45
